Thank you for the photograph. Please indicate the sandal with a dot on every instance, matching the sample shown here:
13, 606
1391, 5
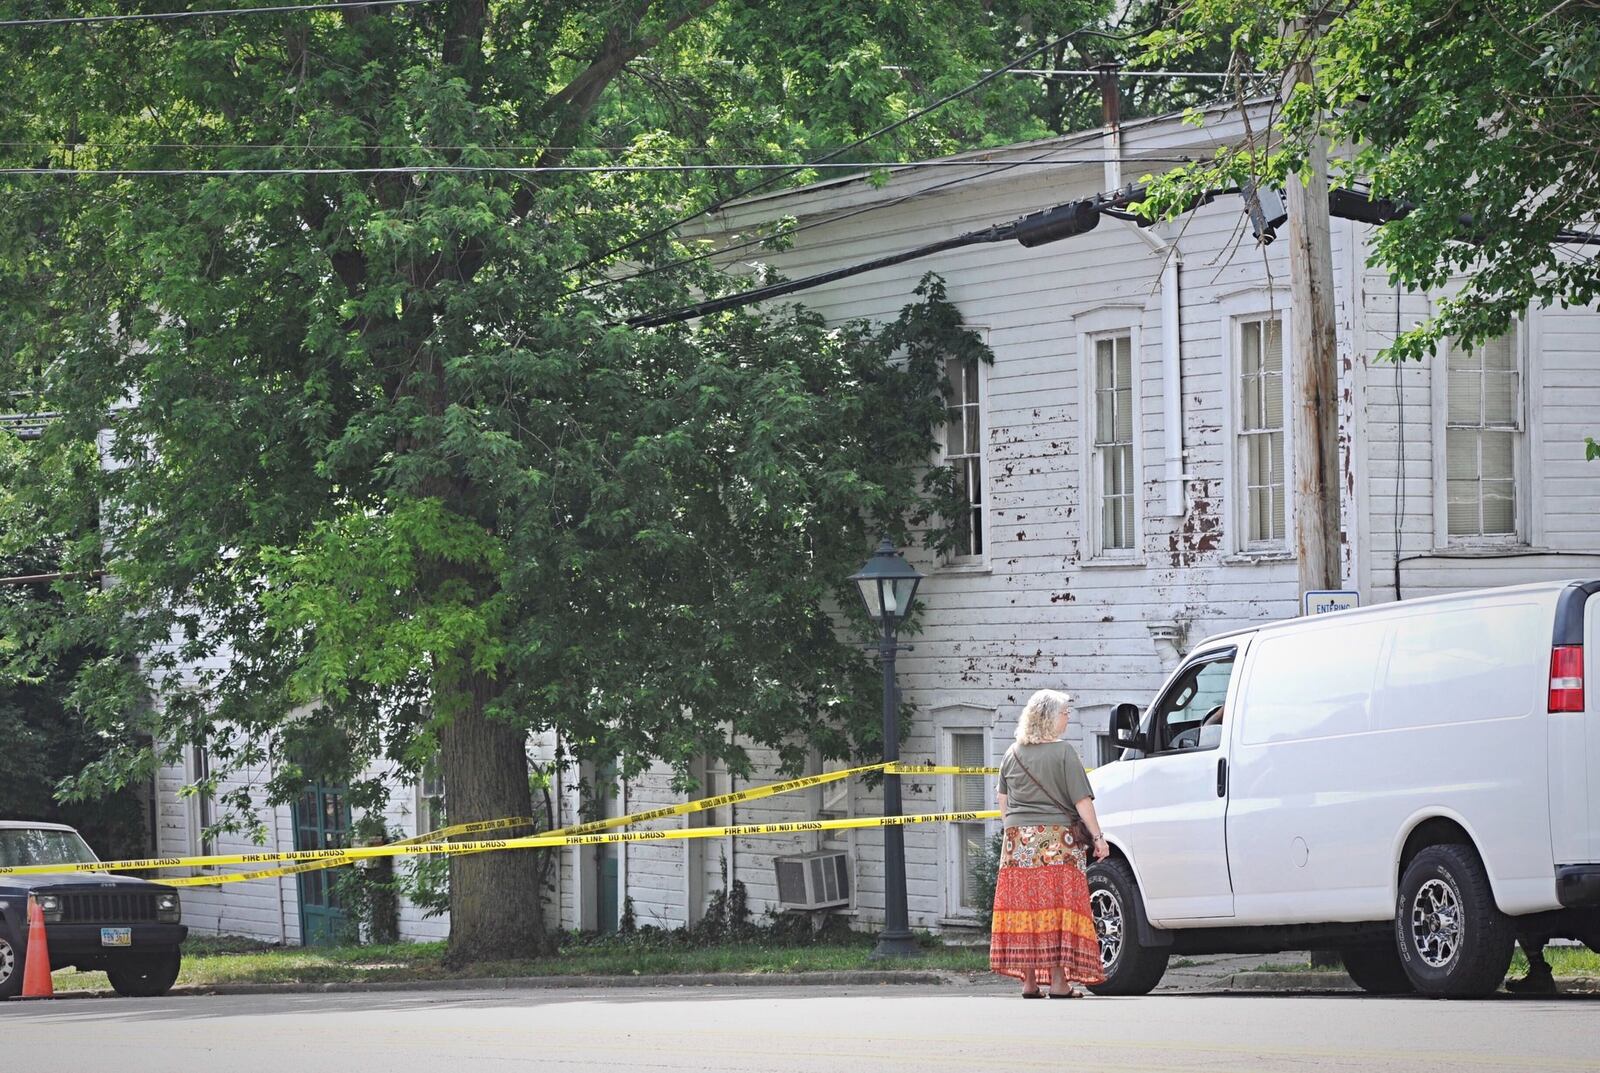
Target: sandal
1033, 994
1073, 993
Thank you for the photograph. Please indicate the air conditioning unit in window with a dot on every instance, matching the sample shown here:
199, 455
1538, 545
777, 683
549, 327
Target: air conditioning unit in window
813, 880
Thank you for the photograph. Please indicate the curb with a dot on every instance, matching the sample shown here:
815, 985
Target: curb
1339, 981
1288, 981
863, 977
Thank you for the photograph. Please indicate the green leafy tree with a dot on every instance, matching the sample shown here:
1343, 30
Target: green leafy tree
1484, 116
46, 740
384, 476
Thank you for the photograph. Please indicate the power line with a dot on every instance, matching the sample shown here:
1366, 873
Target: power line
747, 191
1035, 229
785, 232
1066, 220
127, 147
168, 16
1088, 71
588, 169
368, 146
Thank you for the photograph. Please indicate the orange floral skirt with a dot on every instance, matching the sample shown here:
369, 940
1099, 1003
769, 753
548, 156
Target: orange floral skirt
1041, 909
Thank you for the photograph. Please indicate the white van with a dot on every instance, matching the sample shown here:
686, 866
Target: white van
1413, 784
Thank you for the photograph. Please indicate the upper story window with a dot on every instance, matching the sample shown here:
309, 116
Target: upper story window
205, 842
964, 438
1484, 440
1263, 476
1113, 479
430, 798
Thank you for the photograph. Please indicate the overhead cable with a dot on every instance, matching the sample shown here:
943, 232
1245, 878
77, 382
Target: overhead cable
1066, 220
972, 87
1035, 229
590, 169
1089, 71
795, 229
169, 16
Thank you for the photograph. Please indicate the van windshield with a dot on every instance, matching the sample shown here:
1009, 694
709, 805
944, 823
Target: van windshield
21, 846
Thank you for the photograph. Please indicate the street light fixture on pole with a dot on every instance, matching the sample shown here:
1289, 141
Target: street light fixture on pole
888, 584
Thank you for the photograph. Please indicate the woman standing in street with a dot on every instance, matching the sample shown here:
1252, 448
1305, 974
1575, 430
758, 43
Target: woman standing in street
1043, 932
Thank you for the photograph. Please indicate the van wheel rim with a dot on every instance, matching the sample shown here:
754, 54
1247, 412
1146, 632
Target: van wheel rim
1106, 908
1436, 923
8, 960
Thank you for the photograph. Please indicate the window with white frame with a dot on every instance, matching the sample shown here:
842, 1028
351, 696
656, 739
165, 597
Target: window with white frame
1112, 476
963, 452
430, 798
1106, 750
1483, 440
969, 793
1260, 439
835, 802
204, 811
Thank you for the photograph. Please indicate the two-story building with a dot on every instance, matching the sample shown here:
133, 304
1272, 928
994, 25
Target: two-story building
1127, 463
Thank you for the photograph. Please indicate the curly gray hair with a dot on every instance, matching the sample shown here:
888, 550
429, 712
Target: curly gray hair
1037, 723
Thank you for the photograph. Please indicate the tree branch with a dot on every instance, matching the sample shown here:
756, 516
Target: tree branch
463, 42
578, 98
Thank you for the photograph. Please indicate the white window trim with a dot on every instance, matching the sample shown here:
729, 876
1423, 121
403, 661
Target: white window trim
975, 564
1241, 306
960, 718
1525, 466
199, 845
424, 820
1096, 324
842, 795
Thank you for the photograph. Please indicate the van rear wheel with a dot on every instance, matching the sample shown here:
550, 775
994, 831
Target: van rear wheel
1452, 939
1377, 969
1130, 969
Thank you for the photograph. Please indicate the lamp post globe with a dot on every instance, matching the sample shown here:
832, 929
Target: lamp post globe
888, 584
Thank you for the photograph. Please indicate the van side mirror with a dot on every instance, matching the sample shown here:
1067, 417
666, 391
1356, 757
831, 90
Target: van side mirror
1125, 725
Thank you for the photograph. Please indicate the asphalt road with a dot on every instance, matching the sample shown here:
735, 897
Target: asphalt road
801, 1029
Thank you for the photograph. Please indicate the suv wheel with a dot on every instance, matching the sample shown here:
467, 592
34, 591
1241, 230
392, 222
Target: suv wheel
1452, 939
146, 977
10, 969
1131, 969
1377, 969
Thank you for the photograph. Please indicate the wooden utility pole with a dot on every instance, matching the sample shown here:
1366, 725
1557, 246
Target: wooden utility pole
1314, 381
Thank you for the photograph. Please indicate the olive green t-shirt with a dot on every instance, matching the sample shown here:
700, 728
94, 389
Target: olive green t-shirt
1056, 765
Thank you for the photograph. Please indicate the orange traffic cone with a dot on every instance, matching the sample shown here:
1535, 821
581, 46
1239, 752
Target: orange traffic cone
36, 981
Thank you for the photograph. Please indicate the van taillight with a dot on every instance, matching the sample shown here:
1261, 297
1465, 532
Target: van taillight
1566, 678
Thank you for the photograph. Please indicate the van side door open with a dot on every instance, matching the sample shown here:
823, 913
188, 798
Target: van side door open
1180, 821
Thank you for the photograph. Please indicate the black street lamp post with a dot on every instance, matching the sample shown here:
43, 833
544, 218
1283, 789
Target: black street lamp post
888, 584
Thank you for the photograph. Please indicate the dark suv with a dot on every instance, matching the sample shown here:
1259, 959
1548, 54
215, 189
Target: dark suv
128, 927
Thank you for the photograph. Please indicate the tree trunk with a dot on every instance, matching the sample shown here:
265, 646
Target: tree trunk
496, 900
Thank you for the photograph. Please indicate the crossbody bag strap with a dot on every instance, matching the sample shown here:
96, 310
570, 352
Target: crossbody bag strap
1080, 830
1066, 809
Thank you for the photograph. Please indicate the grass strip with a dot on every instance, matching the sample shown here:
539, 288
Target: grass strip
209, 962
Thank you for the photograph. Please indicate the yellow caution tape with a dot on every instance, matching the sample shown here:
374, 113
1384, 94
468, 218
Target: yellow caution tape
547, 841
341, 857
475, 827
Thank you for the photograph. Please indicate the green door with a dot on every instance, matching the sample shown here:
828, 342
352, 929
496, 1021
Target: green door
608, 900
321, 821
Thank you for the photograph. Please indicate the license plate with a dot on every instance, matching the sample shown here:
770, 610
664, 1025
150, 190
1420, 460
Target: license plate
116, 936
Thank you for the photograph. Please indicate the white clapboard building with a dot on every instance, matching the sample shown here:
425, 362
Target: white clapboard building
1129, 460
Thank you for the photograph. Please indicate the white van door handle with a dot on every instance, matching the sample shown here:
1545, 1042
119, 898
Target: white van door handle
1222, 776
